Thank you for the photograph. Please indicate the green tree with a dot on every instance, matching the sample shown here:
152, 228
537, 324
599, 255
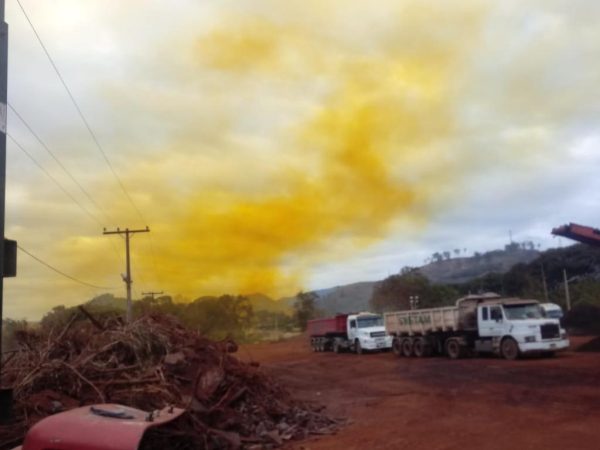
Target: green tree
305, 308
219, 317
394, 292
10, 329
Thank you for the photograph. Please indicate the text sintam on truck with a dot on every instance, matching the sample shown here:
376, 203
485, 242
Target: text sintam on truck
348, 332
486, 323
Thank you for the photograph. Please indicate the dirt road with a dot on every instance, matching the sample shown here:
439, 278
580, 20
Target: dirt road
435, 403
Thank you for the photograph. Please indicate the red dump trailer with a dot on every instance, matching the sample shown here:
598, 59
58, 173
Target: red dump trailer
353, 332
329, 326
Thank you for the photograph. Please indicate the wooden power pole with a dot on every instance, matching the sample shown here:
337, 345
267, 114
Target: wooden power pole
127, 278
153, 294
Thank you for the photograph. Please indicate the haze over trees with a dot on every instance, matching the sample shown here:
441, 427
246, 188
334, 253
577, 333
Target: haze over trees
395, 292
305, 308
255, 317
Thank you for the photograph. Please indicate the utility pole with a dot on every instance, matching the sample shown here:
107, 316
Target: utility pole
5, 394
544, 283
567, 293
127, 278
152, 294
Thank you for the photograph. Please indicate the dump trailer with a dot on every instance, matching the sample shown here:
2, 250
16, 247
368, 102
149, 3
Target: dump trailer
348, 332
486, 323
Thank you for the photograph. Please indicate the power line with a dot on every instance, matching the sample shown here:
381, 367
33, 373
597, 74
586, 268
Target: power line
80, 112
62, 188
54, 180
89, 128
61, 165
60, 272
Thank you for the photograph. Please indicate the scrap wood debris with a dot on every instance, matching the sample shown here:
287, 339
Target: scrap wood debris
149, 364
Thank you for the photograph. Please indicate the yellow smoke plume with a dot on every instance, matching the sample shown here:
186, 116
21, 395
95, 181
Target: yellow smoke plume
371, 149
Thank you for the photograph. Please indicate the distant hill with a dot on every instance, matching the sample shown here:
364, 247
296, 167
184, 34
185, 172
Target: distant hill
356, 296
348, 298
461, 270
262, 302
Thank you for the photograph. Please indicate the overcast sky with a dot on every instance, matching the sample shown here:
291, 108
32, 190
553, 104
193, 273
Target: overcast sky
272, 146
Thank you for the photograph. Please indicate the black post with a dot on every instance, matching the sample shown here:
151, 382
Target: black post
5, 393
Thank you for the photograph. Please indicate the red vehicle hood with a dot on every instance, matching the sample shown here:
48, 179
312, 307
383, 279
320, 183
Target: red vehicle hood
97, 427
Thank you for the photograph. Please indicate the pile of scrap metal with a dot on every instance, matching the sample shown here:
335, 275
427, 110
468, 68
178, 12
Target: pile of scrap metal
153, 364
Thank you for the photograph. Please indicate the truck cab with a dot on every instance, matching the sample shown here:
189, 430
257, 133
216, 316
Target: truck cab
367, 332
514, 326
552, 310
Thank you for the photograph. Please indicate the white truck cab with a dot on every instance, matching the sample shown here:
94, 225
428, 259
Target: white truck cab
518, 326
367, 332
552, 310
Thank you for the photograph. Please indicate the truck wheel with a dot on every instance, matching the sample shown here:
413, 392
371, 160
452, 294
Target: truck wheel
358, 348
454, 349
421, 347
336, 347
407, 347
397, 347
313, 345
509, 349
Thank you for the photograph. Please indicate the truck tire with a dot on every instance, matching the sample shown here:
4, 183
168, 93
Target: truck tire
407, 347
397, 347
421, 347
453, 349
336, 347
509, 349
358, 348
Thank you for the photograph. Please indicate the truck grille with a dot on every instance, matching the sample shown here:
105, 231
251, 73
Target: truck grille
550, 331
378, 334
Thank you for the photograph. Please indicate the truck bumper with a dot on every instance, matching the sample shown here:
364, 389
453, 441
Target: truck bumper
377, 344
544, 346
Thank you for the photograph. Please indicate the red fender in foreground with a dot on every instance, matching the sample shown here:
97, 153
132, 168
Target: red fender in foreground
97, 427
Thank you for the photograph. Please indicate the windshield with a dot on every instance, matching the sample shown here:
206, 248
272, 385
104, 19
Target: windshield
523, 312
554, 314
370, 321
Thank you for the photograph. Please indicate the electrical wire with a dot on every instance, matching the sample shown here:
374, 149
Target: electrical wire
54, 180
60, 272
80, 112
60, 164
89, 128
62, 188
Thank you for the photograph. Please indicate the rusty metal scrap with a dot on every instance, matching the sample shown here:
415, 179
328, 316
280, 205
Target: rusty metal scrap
148, 364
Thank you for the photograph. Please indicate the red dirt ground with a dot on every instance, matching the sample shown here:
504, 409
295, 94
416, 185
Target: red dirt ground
438, 404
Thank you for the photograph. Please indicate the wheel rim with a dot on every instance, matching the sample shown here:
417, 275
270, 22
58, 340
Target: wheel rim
453, 349
397, 348
418, 348
407, 347
509, 349
358, 347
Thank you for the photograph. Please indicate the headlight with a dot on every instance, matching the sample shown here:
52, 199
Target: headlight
529, 338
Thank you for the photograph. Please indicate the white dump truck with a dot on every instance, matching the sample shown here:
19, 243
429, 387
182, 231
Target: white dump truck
348, 332
486, 323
